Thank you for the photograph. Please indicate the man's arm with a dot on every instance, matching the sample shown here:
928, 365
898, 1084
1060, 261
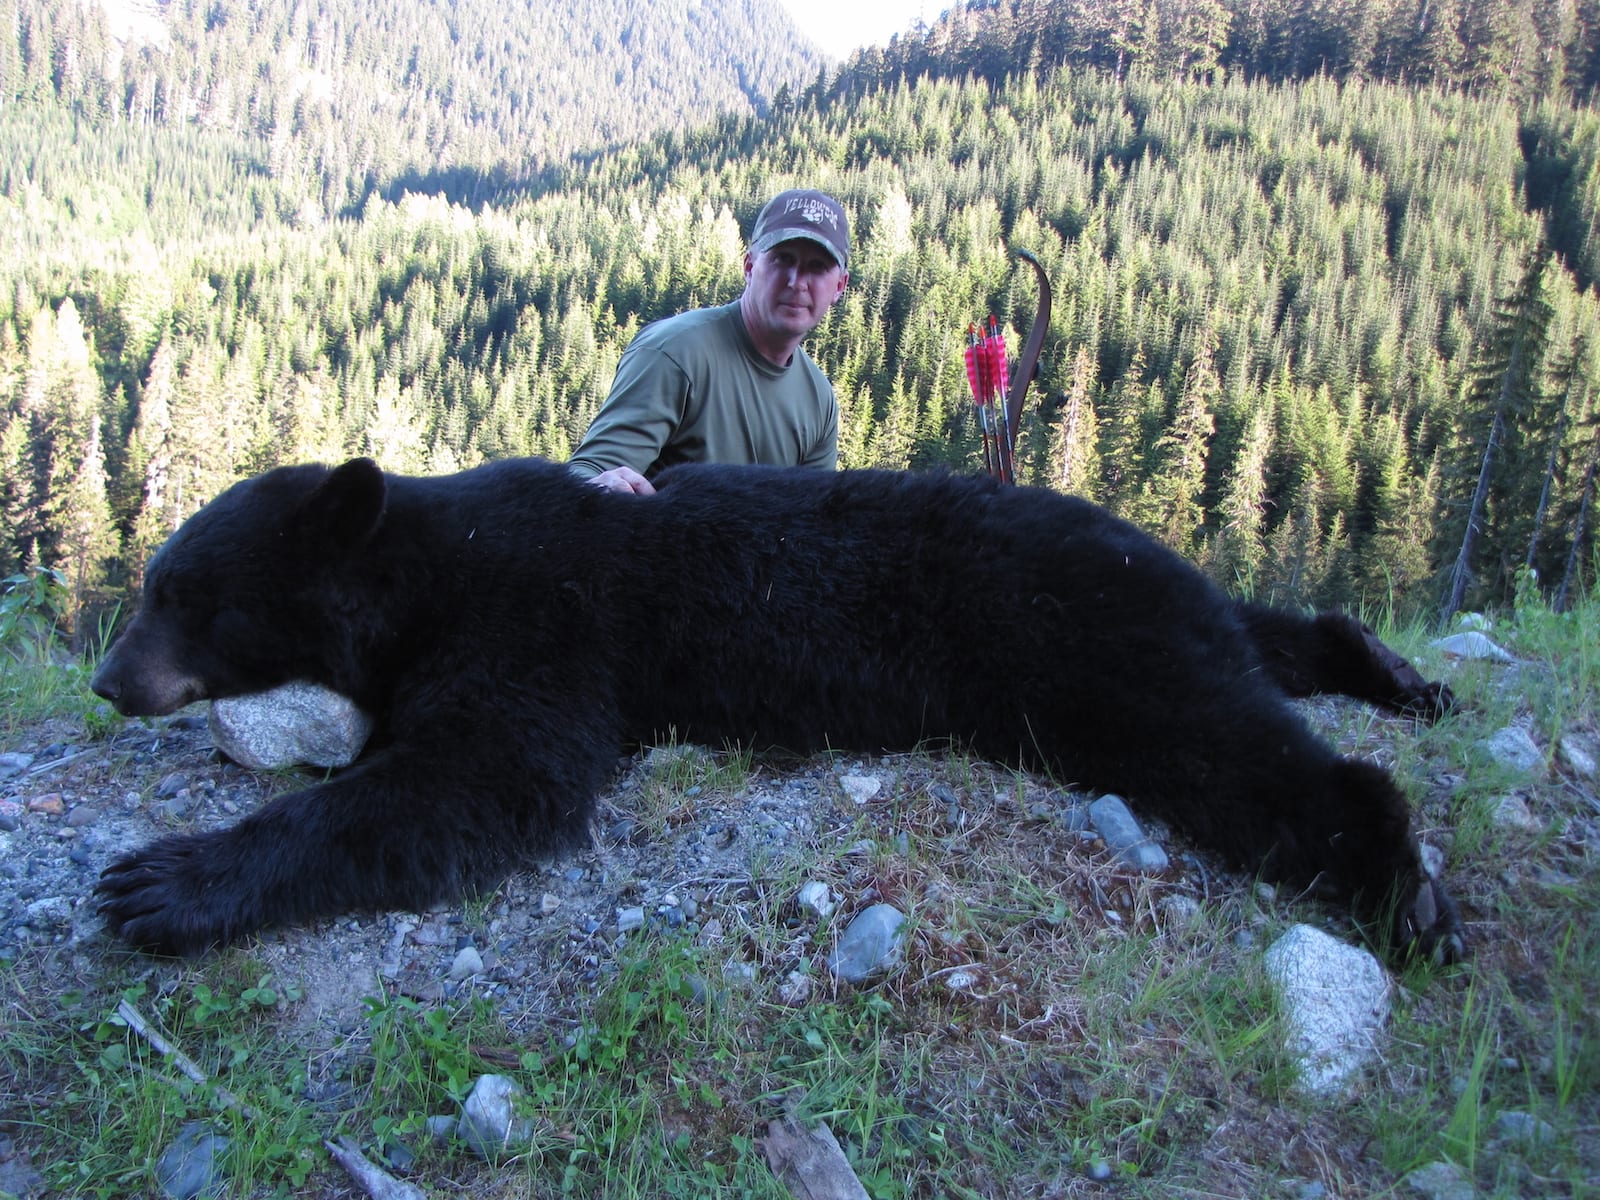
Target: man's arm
825, 453
633, 426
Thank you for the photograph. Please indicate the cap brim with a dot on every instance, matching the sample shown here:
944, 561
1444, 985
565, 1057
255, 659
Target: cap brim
777, 237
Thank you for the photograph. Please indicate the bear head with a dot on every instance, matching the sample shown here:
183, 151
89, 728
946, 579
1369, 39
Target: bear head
245, 595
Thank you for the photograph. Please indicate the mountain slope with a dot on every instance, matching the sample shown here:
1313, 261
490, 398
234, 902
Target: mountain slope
369, 90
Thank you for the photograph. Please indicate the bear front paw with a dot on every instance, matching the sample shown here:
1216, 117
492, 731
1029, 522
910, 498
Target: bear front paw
1430, 925
169, 898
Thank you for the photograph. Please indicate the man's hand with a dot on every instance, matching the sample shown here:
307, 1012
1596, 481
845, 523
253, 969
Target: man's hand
623, 479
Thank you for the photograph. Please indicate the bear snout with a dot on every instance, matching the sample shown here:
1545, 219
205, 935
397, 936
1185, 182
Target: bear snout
144, 685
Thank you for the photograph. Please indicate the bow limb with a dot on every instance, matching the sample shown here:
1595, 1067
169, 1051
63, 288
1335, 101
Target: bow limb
1028, 362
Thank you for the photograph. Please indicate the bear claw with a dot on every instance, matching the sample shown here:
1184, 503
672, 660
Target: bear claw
1431, 926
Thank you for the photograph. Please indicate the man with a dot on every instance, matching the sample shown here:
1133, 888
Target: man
732, 384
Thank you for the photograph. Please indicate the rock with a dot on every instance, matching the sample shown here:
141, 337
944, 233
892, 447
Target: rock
861, 788
50, 804
1113, 821
1577, 754
1524, 1128
630, 919
1473, 646
1513, 747
1441, 1181
191, 1165
489, 1121
870, 946
1179, 912
1335, 998
17, 1175
815, 898
795, 989
1511, 812
298, 723
467, 964
52, 912
14, 763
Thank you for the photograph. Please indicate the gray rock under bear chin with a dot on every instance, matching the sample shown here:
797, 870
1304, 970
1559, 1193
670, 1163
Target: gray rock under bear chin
298, 724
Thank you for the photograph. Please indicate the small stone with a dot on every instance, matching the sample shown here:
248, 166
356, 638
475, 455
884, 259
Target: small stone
191, 1165
861, 788
795, 989
1122, 833
1511, 812
1577, 754
548, 903
1180, 912
1513, 747
625, 832
1472, 646
815, 898
50, 804
81, 816
14, 763
467, 964
1441, 1181
489, 1123
871, 944
630, 919
1098, 1170
50, 912
1524, 1128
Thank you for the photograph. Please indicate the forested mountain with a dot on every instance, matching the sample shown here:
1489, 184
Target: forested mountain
1310, 331
1522, 48
350, 95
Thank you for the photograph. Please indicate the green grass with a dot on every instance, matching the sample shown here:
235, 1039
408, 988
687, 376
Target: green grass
1090, 1030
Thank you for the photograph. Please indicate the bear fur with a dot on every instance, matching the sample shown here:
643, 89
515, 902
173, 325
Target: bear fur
510, 629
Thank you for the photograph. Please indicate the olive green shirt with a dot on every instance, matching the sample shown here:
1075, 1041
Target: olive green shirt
693, 388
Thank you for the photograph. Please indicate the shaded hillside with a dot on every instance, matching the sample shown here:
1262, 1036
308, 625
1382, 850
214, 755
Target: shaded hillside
353, 95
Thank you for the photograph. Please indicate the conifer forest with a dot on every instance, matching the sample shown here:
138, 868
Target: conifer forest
1325, 313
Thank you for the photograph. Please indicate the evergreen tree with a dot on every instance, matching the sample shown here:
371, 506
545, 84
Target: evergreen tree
1505, 387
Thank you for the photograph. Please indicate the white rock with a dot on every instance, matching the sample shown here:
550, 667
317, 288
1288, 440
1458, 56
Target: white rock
1577, 755
1511, 812
489, 1120
1514, 747
861, 788
815, 898
1335, 998
467, 964
294, 724
1472, 645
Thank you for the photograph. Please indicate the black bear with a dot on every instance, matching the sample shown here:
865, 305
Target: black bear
510, 628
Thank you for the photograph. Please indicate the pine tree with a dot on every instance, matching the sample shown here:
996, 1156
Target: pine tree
1505, 386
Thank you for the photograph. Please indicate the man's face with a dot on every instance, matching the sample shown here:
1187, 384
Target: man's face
790, 289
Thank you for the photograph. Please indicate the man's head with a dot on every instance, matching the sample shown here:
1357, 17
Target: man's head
804, 214
794, 270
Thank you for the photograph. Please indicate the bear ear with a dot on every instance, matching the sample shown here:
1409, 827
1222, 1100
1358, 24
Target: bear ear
346, 508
